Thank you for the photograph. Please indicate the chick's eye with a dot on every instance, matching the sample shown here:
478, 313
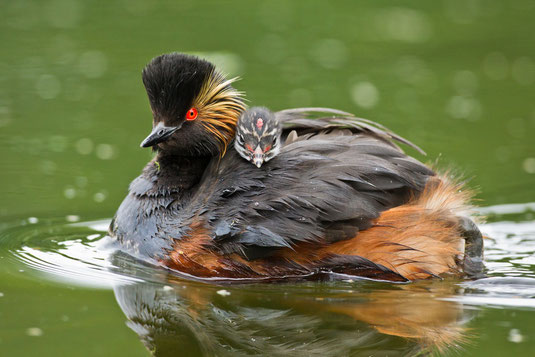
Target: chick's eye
249, 147
268, 147
191, 114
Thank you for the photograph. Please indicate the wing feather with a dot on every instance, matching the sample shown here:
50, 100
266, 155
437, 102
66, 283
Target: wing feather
327, 118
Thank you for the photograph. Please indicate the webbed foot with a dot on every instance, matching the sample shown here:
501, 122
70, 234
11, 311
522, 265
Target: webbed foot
473, 251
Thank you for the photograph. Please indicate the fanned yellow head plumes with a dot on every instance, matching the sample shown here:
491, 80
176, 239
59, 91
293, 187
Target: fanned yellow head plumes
219, 106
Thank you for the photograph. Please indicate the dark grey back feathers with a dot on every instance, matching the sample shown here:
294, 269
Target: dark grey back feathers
325, 185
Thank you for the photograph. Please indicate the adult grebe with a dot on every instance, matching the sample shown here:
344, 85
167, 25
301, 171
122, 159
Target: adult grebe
339, 196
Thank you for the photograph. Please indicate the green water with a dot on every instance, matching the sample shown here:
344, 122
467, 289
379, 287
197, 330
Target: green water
455, 77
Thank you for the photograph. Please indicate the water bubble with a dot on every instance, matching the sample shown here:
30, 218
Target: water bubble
523, 70
404, 24
529, 165
34, 332
100, 196
365, 94
48, 86
105, 151
72, 218
93, 64
84, 146
69, 192
330, 53
496, 66
461, 107
33, 220
223, 292
465, 82
515, 336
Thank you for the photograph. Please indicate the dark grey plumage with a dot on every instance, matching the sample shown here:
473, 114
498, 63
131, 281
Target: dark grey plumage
323, 186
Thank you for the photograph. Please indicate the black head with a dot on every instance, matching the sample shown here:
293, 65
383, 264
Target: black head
194, 107
258, 135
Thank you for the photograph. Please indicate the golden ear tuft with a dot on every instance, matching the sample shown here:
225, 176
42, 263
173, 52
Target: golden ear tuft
219, 106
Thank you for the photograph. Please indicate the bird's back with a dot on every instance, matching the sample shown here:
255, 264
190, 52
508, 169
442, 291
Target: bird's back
320, 188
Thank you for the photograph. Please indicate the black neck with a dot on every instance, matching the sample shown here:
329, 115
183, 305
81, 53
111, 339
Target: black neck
178, 173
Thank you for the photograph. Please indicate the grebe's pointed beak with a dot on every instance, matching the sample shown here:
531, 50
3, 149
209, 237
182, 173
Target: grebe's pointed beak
159, 134
258, 156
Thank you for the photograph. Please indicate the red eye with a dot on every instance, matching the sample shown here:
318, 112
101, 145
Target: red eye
267, 148
249, 147
191, 114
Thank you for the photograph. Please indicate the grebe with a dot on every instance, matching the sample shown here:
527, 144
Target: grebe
258, 135
340, 197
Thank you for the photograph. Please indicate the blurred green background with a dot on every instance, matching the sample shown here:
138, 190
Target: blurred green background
456, 77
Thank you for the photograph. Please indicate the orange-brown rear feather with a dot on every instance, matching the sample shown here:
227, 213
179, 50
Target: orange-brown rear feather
417, 240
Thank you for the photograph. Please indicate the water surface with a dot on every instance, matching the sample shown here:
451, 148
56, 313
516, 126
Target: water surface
455, 77
75, 261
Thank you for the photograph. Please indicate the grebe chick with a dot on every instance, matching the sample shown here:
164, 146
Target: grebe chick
258, 135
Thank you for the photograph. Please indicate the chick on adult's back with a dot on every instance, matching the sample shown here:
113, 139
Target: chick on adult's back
258, 135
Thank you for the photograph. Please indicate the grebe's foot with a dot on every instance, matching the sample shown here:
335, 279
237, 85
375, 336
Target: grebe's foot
473, 251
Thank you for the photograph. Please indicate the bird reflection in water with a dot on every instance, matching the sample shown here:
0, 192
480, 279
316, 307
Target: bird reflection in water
332, 318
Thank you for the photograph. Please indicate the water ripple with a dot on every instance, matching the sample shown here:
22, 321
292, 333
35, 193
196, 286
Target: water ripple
81, 253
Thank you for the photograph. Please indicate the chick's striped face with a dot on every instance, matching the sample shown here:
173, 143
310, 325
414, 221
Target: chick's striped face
258, 136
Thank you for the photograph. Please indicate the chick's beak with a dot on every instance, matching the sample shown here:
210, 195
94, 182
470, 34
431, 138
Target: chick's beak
159, 133
258, 156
